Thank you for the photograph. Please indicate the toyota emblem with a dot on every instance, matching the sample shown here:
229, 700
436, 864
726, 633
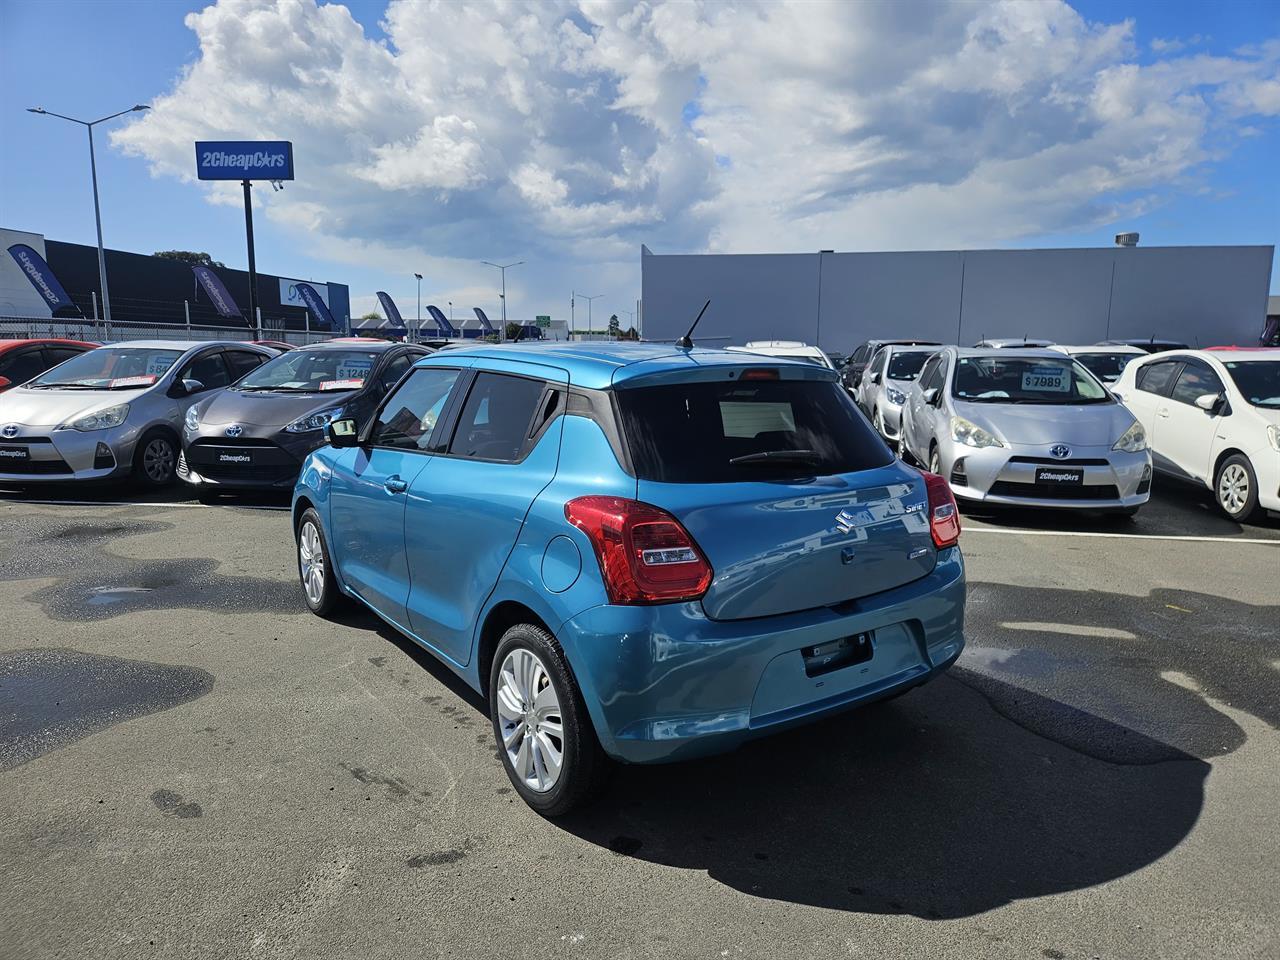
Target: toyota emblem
234, 430
10, 431
1060, 451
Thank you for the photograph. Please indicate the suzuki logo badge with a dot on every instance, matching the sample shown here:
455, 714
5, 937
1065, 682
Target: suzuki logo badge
1060, 451
234, 430
846, 521
10, 431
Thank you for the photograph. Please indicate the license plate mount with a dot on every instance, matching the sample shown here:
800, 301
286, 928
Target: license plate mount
836, 654
14, 454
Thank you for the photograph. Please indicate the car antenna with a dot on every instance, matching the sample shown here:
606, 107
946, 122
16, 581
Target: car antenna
686, 342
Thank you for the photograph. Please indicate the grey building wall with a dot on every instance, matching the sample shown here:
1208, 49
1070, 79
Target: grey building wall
1203, 295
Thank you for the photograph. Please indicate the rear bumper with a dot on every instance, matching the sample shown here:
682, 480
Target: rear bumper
666, 683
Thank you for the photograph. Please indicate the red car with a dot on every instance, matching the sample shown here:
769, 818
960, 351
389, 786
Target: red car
21, 360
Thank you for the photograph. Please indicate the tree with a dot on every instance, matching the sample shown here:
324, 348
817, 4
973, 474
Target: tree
631, 334
513, 331
614, 326
371, 315
195, 259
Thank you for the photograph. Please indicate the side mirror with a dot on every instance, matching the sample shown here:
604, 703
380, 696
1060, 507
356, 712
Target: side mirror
875, 378
344, 433
5, 383
931, 396
184, 388
1209, 402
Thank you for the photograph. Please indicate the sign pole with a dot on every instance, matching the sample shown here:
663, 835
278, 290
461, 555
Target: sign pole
253, 267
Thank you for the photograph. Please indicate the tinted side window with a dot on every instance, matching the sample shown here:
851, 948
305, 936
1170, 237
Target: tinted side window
1155, 377
395, 370
56, 355
210, 370
410, 415
1195, 381
242, 361
495, 420
22, 364
931, 375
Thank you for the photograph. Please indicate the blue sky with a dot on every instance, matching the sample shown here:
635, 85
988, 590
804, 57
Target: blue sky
587, 138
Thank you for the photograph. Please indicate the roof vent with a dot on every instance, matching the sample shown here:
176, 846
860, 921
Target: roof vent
1126, 239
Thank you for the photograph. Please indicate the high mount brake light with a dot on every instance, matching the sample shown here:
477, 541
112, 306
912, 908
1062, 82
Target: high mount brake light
645, 555
944, 516
760, 373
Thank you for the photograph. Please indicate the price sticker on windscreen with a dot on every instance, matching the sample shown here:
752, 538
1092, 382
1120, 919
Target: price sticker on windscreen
1047, 379
357, 368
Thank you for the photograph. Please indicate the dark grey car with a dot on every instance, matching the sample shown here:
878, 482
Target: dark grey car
257, 433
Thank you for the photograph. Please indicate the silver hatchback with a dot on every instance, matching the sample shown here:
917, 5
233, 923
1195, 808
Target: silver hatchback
886, 382
1026, 428
116, 411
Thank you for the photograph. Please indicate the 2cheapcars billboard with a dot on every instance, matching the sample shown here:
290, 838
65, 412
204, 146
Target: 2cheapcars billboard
244, 160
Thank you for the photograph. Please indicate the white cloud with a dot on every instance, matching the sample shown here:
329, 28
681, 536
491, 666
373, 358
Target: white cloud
567, 133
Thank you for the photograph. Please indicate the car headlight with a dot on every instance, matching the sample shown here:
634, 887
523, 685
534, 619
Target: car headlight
896, 396
1273, 435
314, 421
193, 420
971, 435
103, 419
1134, 440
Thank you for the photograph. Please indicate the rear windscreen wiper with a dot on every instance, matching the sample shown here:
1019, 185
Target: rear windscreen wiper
777, 456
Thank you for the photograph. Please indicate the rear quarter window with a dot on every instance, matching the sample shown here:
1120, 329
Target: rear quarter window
700, 432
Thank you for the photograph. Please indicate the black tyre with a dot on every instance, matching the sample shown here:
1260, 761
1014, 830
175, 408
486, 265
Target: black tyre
155, 459
1236, 488
315, 571
544, 735
935, 461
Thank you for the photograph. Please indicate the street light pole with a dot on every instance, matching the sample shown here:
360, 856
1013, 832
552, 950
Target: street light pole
589, 299
97, 209
417, 333
503, 268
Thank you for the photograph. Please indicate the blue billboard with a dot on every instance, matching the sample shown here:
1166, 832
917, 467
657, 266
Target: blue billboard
244, 160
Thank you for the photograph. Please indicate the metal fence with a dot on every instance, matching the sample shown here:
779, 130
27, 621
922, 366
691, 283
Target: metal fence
29, 328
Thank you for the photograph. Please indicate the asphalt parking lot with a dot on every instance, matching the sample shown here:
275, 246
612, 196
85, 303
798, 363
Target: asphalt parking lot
193, 765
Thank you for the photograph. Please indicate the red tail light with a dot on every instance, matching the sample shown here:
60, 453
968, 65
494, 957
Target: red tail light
645, 555
944, 517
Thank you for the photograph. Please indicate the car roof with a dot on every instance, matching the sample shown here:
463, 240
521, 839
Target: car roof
47, 341
602, 364
1007, 353
1099, 348
183, 345
353, 343
1222, 356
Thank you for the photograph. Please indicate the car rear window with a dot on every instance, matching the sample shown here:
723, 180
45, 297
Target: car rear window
701, 432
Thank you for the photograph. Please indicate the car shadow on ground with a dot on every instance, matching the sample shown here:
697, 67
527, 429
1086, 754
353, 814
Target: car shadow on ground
124, 492
936, 805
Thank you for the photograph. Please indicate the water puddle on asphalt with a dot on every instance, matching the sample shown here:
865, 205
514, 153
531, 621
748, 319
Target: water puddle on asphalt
52, 698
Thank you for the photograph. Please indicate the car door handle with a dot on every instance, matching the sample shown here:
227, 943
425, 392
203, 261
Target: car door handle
394, 484
1163, 412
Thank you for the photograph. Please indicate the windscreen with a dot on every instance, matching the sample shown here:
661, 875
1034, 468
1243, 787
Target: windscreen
1107, 367
110, 368
307, 371
1257, 380
906, 366
722, 432
1025, 380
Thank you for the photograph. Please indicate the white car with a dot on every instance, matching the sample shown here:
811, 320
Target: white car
790, 349
1104, 362
1212, 417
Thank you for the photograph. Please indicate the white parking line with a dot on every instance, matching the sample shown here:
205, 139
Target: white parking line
135, 503
1118, 536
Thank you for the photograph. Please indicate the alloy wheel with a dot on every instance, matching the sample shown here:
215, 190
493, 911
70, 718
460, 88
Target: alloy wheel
1233, 488
529, 720
158, 460
311, 562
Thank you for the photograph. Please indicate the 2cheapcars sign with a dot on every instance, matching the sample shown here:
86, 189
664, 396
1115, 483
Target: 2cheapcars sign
244, 160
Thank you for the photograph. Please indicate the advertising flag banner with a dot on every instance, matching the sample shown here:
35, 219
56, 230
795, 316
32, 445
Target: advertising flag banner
219, 295
317, 307
41, 277
394, 320
442, 322
484, 320
244, 160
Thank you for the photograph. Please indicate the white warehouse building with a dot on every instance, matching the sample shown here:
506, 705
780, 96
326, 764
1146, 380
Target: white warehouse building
1205, 295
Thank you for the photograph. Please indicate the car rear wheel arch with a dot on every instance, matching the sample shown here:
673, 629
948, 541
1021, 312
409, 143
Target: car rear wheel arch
504, 615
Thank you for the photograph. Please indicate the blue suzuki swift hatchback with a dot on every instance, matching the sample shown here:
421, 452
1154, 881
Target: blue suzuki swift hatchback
636, 551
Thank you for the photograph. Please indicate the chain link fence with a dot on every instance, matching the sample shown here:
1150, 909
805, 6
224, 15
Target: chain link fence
30, 328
